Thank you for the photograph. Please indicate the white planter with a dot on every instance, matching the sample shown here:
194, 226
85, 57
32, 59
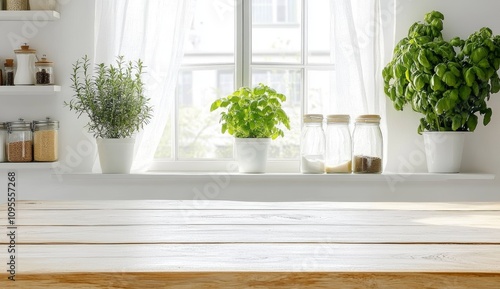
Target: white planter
116, 155
444, 151
251, 154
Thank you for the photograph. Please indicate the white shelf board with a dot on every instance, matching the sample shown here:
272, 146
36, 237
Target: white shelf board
286, 177
29, 166
31, 15
33, 90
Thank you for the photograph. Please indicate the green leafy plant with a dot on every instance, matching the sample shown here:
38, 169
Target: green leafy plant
448, 82
253, 113
113, 98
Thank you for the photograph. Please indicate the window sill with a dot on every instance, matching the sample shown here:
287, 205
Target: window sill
279, 177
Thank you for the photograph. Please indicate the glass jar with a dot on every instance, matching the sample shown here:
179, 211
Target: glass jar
19, 141
17, 5
3, 140
44, 72
367, 145
9, 72
45, 140
312, 145
338, 144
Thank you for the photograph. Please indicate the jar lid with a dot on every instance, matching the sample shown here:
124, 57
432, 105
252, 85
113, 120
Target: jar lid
46, 122
44, 62
19, 125
25, 49
3, 125
340, 118
313, 118
9, 62
368, 118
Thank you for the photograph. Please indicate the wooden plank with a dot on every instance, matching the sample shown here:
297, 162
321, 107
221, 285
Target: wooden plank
53, 259
273, 280
484, 219
235, 205
162, 234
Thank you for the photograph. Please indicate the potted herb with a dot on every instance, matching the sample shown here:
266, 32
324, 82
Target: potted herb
254, 116
113, 99
448, 82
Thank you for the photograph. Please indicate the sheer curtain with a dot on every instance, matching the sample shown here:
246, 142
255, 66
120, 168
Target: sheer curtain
360, 34
154, 31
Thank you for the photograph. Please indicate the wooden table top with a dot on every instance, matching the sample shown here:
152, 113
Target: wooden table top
223, 244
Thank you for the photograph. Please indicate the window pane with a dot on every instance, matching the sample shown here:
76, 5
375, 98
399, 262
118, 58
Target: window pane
211, 38
276, 31
320, 92
288, 82
199, 131
164, 150
320, 32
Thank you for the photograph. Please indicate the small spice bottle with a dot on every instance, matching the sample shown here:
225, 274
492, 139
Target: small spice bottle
367, 145
338, 144
9, 71
312, 145
19, 141
44, 72
45, 140
3, 140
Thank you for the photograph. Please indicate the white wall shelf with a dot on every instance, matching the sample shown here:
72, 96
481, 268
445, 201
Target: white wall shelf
47, 15
29, 166
29, 90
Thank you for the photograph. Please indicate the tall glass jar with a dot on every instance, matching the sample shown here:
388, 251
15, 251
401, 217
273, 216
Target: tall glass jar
25, 73
338, 144
45, 140
367, 145
3, 141
312, 146
44, 72
9, 72
19, 141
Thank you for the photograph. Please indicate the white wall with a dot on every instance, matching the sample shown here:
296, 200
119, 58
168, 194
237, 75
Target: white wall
66, 40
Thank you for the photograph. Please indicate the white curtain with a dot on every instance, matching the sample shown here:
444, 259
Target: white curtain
154, 31
360, 33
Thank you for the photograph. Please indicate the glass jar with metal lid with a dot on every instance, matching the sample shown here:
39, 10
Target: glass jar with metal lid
45, 144
367, 145
338, 144
3, 141
312, 146
19, 141
44, 72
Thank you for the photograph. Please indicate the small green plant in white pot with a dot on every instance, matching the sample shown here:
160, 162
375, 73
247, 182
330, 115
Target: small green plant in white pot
113, 99
254, 116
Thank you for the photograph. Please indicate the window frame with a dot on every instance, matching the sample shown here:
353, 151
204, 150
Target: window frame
243, 77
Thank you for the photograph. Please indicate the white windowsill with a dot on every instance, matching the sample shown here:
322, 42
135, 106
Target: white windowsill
289, 177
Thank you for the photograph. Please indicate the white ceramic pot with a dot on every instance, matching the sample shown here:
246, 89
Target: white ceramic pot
116, 155
43, 4
251, 154
444, 150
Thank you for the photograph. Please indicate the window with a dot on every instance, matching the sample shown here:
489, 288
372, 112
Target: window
287, 44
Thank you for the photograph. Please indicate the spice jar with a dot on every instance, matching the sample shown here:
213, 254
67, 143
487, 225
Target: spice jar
312, 146
9, 72
19, 141
45, 140
44, 74
17, 4
3, 140
367, 145
25, 74
338, 144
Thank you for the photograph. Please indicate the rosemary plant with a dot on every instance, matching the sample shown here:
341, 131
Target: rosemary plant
113, 97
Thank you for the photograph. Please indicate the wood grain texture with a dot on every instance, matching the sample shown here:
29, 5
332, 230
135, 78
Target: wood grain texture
222, 244
256, 280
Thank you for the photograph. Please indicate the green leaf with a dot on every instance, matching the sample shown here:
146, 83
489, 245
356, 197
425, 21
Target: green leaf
478, 54
465, 92
472, 122
436, 83
440, 69
450, 79
456, 123
487, 116
470, 77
